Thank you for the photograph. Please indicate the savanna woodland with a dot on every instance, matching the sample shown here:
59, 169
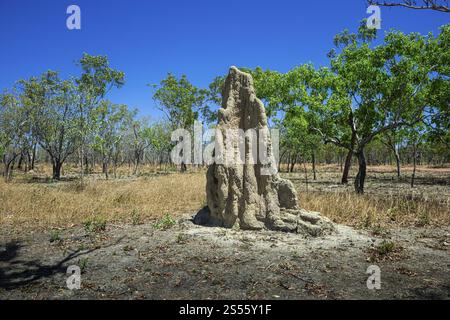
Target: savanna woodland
364, 138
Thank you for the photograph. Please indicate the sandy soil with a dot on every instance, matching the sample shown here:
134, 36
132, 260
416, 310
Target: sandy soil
194, 262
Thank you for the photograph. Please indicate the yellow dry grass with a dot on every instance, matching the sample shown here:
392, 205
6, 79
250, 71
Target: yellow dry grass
68, 203
28, 203
374, 212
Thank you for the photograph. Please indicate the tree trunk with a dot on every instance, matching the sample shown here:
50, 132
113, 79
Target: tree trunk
397, 161
279, 160
361, 176
347, 165
9, 166
288, 161
33, 159
8, 172
82, 163
136, 166
19, 165
105, 169
86, 165
28, 162
313, 158
57, 165
293, 161
306, 175
413, 177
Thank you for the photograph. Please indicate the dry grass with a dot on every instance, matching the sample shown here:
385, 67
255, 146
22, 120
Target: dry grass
38, 203
67, 203
388, 202
375, 212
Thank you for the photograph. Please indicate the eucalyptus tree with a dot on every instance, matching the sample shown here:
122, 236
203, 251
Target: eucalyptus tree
141, 136
393, 140
212, 100
55, 117
13, 128
160, 140
288, 98
111, 122
179, 100
305, 90
95, 82
392, 85
32, 98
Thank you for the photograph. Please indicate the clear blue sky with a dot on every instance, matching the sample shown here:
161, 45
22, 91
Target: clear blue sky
199, 38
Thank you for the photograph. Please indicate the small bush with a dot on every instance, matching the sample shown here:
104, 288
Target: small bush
379, 230
82, 263
385, 247
424, 219
203, 203
55, 236
165, 223
95, 224
136, 218
181, 238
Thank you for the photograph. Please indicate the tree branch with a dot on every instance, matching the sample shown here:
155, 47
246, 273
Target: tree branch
410, 4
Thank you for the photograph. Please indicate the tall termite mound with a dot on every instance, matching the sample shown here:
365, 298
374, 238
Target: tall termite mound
251, 195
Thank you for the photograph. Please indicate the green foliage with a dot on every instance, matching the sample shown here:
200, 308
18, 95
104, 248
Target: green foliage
179, 100
52, 102
213, 100
97, 79
136, 218
392, 95
55, 236
95, 224
181, 238
13, 126
424, 219
385, 247
165, 222
83, 263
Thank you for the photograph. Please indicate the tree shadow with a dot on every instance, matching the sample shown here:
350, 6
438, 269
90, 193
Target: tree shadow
16, 273
427, 180
50, 180
430, 293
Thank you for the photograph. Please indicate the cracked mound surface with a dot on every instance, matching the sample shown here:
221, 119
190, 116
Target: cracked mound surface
251, 196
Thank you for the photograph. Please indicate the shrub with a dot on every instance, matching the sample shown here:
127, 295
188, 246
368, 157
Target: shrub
95, 224
385, 247
55, 236
165, 223
136, 218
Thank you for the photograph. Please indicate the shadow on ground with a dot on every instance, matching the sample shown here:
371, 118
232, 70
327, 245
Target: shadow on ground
18, 272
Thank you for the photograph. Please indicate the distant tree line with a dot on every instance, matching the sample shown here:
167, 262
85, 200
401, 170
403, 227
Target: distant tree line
383, 104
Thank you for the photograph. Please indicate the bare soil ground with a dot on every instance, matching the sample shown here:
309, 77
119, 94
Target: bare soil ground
404, 231
194, 262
